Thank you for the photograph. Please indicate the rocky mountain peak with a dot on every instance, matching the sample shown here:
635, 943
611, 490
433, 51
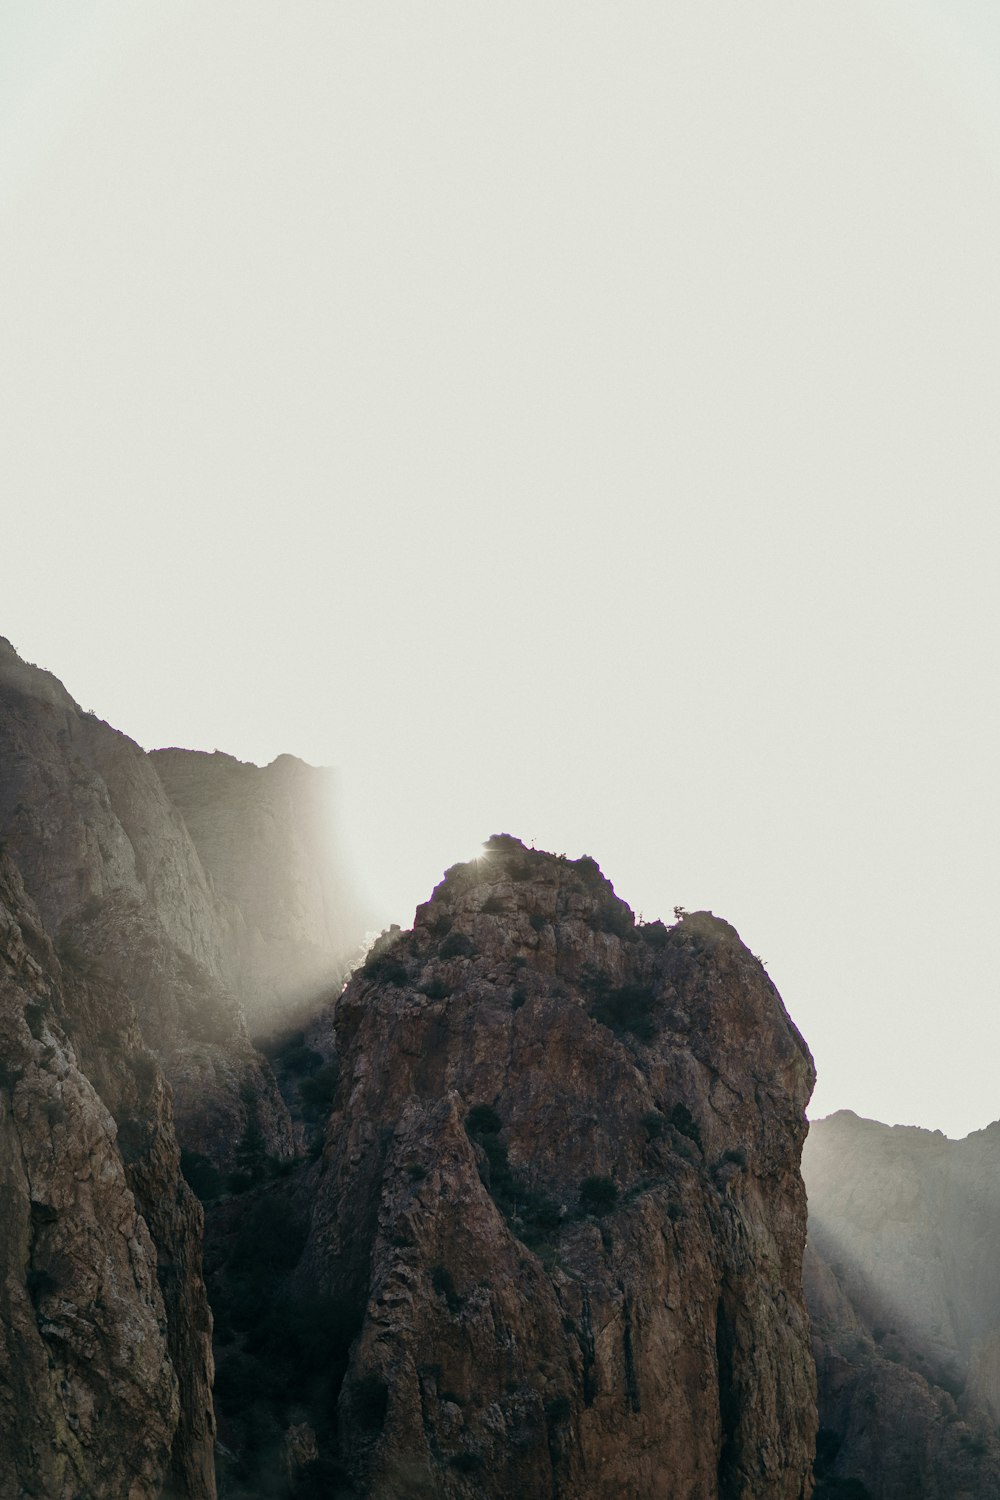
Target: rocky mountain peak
564, 1158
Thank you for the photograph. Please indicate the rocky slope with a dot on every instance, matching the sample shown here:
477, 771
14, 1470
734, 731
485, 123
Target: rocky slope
557, 1229
903, 1284
122, 1038
121, 887
105, 1356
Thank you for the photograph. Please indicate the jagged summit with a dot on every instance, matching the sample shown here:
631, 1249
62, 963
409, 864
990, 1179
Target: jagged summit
563, 1157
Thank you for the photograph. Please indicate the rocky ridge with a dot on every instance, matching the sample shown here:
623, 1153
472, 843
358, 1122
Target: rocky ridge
559, 1204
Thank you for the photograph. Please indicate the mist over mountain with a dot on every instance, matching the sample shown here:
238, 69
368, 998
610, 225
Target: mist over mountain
903, 1286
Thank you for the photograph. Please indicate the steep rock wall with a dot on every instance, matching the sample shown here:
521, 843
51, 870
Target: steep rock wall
105, 1353
561, 1189
120, 885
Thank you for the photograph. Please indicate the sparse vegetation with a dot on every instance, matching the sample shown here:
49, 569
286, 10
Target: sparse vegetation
531, 1214
204, 1179
483, 1119
386, 968
436, 989
630, 1008
457, 945
655, 934
613, 917
683, 1120
318, 1090
598, 1195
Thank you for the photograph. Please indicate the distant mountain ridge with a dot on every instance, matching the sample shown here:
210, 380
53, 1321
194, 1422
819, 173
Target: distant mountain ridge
903, 1285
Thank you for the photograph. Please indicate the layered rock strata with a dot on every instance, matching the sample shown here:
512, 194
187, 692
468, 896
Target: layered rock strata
561, 1190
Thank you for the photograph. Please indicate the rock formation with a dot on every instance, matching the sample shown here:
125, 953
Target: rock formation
903, 1285
559, 1210
120, 884
547, 1241
123, 1036
105, 1351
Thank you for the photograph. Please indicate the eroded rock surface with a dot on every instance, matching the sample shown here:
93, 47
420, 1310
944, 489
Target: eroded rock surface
105, 1344
561, 1189
122, 889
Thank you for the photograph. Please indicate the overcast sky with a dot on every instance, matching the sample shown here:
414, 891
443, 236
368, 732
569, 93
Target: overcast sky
573, 420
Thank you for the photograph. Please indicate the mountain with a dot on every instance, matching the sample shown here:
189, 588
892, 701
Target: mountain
127, 965
517, 1212
554, 1237
903, 1285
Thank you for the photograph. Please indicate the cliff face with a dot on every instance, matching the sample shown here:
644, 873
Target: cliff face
903, 1284
120, 884
561, 1191
122, 1035
105, 1356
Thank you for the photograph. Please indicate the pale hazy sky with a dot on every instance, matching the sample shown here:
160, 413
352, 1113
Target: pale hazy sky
573, 420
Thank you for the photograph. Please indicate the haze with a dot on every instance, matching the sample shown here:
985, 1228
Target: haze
566, 420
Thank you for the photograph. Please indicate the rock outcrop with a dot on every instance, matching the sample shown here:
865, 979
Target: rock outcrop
560, 1202
105, 1332
903, 1285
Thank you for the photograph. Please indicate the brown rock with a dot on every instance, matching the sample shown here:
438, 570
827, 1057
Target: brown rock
105, 1357
561, 1186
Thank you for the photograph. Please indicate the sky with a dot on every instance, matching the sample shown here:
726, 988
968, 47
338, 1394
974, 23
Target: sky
573, 421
